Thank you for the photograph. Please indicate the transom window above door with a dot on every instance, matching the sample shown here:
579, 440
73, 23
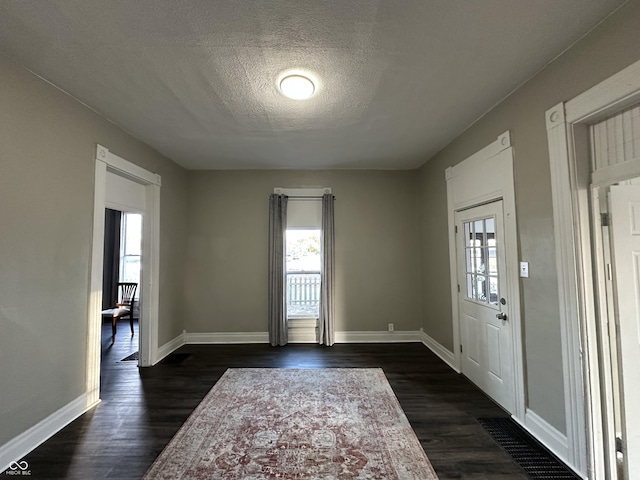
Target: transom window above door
481, 261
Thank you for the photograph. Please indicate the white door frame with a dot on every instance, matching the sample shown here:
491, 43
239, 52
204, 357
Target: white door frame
484, 177
148, 330
571, 179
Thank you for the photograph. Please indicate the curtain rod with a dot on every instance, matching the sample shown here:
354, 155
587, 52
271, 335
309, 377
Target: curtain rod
303, 197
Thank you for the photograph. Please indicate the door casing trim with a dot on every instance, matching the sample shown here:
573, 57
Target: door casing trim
472, 182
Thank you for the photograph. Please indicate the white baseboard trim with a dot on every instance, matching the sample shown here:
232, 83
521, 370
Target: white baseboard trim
15, 449
444, 353
546, 434
303, 335
377, 337
227, 337
170, 347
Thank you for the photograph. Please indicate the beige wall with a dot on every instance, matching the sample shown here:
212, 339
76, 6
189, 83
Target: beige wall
377, 247
610, 48
47, 151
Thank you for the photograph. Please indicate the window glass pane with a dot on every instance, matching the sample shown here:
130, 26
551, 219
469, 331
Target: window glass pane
131, 269
491, 232
493, 261
468, 234
470, 285
493, 290
133, 233
303, 250
303, 262
131, 249
481, 262
478, 227
303, 294
469, 259
481, 288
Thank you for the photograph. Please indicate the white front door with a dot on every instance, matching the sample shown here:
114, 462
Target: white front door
485, 331
624, 208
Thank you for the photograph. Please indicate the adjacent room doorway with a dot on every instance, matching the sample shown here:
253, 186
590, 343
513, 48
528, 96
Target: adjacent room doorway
122, 264
124, 186
594, 148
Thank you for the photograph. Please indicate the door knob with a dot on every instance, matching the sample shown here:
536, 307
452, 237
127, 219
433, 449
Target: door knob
502, 316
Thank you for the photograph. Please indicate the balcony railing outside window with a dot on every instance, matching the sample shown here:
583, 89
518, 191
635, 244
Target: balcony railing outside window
303, 294
303, 272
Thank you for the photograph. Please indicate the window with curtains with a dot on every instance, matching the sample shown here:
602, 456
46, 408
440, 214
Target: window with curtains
303, 266
303, 251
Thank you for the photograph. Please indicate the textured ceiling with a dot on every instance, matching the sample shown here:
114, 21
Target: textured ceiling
197, 79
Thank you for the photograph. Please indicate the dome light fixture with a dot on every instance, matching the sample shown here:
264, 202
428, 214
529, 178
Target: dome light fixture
297, 86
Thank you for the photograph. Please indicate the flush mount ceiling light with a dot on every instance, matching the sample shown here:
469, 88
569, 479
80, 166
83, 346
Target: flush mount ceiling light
297, 87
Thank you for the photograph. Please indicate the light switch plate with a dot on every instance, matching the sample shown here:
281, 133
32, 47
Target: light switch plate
524, 269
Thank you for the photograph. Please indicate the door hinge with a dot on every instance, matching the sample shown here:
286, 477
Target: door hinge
604, 219
460, 348
458, 288
455, 229
609, 271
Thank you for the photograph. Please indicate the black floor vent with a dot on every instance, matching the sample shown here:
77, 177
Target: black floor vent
536, 460
133, 356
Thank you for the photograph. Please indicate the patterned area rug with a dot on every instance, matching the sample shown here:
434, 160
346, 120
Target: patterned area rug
271, 423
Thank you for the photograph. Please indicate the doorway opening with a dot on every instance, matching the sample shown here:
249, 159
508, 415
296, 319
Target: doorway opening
121, 277
124, 186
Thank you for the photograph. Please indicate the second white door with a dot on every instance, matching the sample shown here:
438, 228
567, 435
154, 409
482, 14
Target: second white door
624, 204
485, 331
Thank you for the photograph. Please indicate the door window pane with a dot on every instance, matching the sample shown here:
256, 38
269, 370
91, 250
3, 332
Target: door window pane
481, 261
493, 261
470, 262
470, 286
478, 228
468, 234
493, 290
481, 283
490, 228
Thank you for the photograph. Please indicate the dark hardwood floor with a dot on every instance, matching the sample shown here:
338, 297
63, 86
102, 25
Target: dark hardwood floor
142, 409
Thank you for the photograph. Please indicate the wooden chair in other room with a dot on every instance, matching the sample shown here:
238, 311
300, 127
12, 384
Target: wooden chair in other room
123, 308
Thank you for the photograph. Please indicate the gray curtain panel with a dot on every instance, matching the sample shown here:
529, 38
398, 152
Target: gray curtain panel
111, 258
327, 287
278, 330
